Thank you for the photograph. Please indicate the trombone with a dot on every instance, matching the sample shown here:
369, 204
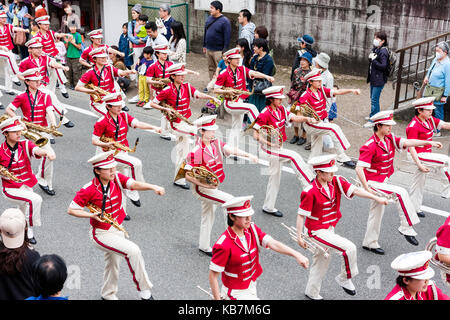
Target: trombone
311, 246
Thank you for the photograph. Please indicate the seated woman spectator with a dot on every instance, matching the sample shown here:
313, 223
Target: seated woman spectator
16, 257
261, 62
119, 63
177, 43
49, 275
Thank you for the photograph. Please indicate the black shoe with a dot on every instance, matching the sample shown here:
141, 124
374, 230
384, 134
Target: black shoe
182, 186
69, 124
52, 141
277, 213
208, 253
165, 138
47, 190
350, 164
151, 298
308, 146
11, 93
421, 214
125, 108
65, 95
2, 107
32, 240
301, 141
294, 140
412, 240
127, 218
350, 292
235, 158
18, 83
137, 203
374, 250
71, 87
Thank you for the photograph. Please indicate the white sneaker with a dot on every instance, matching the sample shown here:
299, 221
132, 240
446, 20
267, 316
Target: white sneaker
147, 106
437, 134
135, 99
318, 297
445, 194
366, 118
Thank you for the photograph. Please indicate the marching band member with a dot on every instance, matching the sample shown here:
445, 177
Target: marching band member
209, 153
101, 76
320, 207
37, 59
37, 107
10, 67
236, 253
48, 38
443, 248
178, 95
235, 77
115, 125
15, 156
315, 97
374, 168
414, 278
96, 37
277, 116
422, 127
105, 192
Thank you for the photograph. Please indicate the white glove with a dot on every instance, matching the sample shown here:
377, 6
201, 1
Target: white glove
161, 28
372, 56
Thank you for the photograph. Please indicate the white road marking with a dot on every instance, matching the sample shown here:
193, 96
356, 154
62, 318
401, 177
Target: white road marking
435, 211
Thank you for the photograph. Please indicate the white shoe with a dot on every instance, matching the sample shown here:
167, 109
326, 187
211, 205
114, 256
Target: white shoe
366, 118
147, 106
135, 99
145, 294
318, 297
437, 134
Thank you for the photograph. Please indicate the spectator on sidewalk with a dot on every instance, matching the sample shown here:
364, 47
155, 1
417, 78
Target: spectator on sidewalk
167, 19
16, 257
73, 45
378, 67
145, 61
216, 39
246, 53
261, 33
124, 46
247, 27
177, 43
137, 44
305, 42
17, 14
438, 79
119, 62
49, 276
69, 19
154, 37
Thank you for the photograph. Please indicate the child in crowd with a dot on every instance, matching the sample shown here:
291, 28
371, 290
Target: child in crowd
73, 46
34, 28
125, 46
142, 21
145, 61
62, 51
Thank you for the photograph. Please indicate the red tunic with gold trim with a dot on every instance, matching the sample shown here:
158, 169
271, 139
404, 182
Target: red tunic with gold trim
321, 207
239, 265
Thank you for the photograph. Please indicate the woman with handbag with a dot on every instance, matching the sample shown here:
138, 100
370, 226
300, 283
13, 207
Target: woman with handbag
263, 63
437, 80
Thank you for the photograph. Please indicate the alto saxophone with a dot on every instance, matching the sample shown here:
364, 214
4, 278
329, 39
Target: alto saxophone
4, 172
97, 97
165, 82
106, 217
234, 94
29, 134
119, 146
35, 128
175, 114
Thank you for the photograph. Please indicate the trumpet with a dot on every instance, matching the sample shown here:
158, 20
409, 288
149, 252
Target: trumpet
311, 246
119, 146
97, 97
233, 94
106, 217
4, 172
175, 114
165, 82
431, 246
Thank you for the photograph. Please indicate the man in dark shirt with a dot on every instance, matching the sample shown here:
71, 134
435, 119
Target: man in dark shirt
216, 37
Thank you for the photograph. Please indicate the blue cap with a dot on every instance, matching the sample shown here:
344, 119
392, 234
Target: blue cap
307, 39
306, 55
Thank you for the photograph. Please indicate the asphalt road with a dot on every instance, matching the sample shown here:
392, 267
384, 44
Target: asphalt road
166, 228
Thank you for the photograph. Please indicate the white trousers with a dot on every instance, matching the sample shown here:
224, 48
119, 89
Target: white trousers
116, 247
57, 105
240, 294
45, 171
183, 145
210, 199
327, 238
319, 130
56, 75
278, 157
237, 117
10, 68
436, 162
406, 211
27, 201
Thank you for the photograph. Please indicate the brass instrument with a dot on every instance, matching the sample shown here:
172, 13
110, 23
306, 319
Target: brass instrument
431, 246
175, 114
311, 246
4, 172
233, 94
35, 128
106, 217
269, 133
119, 146
305, 111
165, 82
203, 175
100, 93
30, 134
181, 173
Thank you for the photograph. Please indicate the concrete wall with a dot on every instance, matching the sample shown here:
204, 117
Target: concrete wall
342, 28
113, 14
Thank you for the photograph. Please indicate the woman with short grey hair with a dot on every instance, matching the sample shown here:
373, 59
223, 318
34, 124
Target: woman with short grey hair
164, 14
